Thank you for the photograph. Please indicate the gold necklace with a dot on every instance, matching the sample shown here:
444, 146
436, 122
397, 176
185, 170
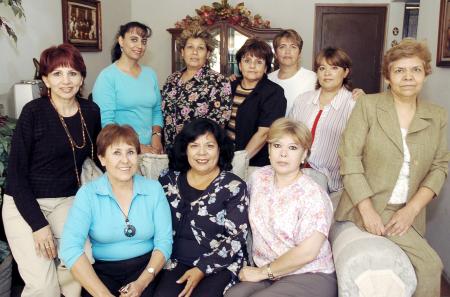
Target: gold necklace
73, 144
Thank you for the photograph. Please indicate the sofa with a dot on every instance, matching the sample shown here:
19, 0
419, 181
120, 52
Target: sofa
366, 265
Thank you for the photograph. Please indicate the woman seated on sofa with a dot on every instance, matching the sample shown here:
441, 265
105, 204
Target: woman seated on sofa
394, 160
209, 213
325, 112
290, 216
127, 219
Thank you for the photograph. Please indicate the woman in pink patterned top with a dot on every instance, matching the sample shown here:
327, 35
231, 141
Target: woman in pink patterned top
290, 217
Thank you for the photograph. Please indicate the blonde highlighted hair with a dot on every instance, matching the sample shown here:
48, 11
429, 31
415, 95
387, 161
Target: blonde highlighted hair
289, 127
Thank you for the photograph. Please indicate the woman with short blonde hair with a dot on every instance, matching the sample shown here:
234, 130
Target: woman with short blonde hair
290, 217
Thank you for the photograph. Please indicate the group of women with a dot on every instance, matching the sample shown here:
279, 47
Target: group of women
187, 234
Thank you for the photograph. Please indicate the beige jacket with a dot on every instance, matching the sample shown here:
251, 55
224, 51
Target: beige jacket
371, 154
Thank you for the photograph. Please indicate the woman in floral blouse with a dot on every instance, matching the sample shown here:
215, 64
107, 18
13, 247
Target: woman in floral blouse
209, 213
197, 91
290, 216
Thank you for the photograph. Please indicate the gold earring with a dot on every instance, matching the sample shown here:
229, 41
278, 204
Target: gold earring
49, 93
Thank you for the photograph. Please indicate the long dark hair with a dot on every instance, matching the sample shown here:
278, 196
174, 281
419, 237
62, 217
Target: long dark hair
142, 30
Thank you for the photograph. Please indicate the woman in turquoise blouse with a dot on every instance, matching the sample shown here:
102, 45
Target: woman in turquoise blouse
127, 92
127, 219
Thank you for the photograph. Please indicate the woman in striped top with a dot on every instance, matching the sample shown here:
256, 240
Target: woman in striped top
326, 111
257, 101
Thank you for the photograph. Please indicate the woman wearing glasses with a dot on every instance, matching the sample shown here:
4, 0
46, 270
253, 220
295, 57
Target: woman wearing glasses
257, 101
127, 219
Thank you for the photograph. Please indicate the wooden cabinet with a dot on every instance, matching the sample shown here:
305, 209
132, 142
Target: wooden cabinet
230, 38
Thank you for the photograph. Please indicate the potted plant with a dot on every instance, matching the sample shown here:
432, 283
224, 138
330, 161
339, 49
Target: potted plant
7, 126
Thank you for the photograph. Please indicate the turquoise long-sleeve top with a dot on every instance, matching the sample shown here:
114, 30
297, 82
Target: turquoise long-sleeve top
124, 99
96, 213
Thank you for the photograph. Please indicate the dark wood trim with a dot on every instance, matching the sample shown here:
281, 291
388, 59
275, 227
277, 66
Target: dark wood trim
443, 36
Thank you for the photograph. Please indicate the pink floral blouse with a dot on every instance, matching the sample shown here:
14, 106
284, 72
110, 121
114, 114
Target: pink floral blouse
281, 219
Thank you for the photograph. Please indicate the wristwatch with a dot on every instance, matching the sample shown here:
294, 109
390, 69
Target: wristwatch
157, 134
269, 272
151, 270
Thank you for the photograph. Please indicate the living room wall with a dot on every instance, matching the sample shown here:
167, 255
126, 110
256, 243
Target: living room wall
437, 89
295, 14
43, 28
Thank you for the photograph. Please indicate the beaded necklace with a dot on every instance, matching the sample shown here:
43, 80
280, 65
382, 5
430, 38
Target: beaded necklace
73, 144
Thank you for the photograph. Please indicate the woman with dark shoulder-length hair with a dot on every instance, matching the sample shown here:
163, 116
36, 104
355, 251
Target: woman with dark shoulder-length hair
196, 91
53, 137
128, 92
209, 213
257, 101
394, 161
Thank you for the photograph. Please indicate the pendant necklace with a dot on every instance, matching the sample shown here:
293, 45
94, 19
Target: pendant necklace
73, 144
129, 229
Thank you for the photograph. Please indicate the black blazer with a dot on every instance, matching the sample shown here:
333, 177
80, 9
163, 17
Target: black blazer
261, 108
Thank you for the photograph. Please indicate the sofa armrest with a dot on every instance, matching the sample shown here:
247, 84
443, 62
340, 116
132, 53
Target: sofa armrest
369, 265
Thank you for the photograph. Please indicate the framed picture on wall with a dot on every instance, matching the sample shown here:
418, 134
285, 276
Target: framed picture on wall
443, 51
82, 24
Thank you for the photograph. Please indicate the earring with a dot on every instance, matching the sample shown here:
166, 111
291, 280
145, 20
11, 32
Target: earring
49, 93
121, 49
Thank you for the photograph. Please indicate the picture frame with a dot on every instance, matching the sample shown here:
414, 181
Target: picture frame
82, 24
443, 48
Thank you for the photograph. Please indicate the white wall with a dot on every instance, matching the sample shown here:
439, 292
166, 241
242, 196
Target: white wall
43, 28
295, 14
437, 89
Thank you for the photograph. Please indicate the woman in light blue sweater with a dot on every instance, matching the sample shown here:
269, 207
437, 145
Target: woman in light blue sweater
127, 219
127, 92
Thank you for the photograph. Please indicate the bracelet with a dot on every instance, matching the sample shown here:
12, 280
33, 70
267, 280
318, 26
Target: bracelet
157, 134
269, 272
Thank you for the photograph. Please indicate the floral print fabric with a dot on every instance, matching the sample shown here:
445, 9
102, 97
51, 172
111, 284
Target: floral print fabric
206, 95
218, 220
281, 219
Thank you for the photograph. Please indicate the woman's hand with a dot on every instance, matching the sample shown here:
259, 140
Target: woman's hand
133, 289
252, 274
232, 77
150, 149
372, 220
356, 93
44, 243
401, 221
192, 277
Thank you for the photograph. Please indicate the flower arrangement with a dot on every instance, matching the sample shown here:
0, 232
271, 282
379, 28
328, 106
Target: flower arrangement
7, 126
238, 15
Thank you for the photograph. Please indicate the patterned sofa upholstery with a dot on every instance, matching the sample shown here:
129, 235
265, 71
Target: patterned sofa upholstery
366, 265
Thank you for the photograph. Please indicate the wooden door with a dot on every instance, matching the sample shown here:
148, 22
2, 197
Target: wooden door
360, 31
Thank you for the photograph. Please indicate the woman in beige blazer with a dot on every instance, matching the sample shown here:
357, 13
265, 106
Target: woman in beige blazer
394, 161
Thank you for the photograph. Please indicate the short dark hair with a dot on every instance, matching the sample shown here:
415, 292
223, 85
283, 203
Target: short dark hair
142, 30
335, 57
114, 133
178, 152
62, 55
258, 48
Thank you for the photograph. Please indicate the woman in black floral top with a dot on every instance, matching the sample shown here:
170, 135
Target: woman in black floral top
209, 214
197, 91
